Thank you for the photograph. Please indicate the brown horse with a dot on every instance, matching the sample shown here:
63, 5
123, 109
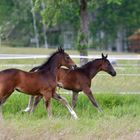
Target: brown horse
78, 80
41, 83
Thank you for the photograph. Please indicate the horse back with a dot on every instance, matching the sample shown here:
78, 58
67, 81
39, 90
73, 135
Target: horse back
8, 74
72, 79
27, 82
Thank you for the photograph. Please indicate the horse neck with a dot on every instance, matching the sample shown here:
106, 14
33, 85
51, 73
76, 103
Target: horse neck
53, 66
93, 68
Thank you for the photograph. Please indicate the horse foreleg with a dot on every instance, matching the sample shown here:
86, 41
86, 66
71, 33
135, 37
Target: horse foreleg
48, 96
30, 104
49, 108
74, 99
65, 103
88, 92
36, 101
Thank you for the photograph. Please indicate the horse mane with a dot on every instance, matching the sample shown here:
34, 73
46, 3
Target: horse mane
48, 62
89, 63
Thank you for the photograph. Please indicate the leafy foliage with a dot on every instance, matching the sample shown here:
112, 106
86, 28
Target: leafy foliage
17, 22
106, 16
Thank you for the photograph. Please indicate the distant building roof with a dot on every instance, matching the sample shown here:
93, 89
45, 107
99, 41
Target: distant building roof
135, 36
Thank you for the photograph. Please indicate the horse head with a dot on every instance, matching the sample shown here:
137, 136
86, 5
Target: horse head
65, 59
106, 66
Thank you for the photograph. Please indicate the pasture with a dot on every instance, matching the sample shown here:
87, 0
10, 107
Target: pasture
120, 118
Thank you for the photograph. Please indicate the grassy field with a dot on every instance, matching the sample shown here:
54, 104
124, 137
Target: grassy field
102, 82
28, 50
120, 119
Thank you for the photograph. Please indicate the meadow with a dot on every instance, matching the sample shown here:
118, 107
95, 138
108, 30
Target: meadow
120, 119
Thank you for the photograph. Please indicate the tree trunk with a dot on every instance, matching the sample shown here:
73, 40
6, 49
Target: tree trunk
84, 30
44, 27
119, 40
34, 24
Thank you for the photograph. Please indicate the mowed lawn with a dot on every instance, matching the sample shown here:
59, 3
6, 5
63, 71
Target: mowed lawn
120, 119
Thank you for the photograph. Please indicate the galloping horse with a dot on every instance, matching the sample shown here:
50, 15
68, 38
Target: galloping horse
41, 83
78, 80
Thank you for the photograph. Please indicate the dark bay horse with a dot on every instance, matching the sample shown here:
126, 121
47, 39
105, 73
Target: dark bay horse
78, 80
41, 83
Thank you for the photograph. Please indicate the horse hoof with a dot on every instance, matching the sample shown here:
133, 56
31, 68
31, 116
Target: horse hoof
74, 116
26, 110
100, 110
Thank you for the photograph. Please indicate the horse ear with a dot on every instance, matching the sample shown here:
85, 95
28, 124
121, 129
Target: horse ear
103, 56
60, 49
106, 56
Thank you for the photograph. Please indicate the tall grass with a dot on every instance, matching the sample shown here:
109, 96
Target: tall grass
112, 104
120, 119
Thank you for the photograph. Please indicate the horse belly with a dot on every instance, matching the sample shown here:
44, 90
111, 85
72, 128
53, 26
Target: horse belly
35, 86
28, 86
28, 90
71, 85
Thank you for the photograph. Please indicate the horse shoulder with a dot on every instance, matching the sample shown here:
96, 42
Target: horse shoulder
83, 78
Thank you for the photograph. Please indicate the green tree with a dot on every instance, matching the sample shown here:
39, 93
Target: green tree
16, 21
76, 13
112, 18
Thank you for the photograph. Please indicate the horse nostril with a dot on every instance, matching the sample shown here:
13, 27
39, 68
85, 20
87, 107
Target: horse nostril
114, 74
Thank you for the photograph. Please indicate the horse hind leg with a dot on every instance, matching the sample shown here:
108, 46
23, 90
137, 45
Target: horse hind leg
4, 97
65, 103
47, 96
2, 101
49, 108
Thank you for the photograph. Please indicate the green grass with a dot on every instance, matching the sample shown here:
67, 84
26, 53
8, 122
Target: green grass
120, 118
29, 50
100, 83
112, 104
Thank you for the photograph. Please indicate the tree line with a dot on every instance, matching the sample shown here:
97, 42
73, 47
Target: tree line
98, 20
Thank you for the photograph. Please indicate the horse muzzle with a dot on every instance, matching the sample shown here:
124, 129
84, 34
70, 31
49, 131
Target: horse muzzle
113, 73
